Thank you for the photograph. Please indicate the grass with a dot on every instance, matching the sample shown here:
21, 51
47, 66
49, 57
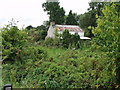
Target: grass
53, 52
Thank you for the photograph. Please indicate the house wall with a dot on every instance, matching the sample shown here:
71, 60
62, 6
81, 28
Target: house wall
50, 32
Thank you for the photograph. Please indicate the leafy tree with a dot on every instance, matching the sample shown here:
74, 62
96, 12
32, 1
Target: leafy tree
96, 7
71, 19
55, 12
107, 34
88, 19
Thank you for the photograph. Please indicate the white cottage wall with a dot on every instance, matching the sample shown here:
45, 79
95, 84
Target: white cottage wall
50, 32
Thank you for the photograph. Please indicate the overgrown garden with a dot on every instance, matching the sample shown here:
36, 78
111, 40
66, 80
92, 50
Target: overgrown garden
31, 61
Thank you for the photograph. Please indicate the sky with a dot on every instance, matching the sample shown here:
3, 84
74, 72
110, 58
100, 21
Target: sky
30, 12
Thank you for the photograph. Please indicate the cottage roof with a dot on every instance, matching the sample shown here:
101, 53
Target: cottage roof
69, 28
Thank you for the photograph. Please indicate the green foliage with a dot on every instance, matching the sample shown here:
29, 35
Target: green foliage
65, 40
96, 65
37, 33
29, 27
42, 32
56, 12
48, 42
41, 67
107, 34
71, 19
68, 39
88, 19
13, 40
30, 58
59, 68
33, 35
96, 7
42, 27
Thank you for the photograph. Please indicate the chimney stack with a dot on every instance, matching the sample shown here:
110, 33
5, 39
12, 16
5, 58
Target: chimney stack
52, 24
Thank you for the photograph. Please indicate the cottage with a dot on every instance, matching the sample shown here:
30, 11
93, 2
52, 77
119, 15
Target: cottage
60, 28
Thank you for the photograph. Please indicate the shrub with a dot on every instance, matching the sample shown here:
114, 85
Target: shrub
48, 42
13, 40
70, 41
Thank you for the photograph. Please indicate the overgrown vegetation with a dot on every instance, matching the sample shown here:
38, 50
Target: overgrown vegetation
107, 34
29, 61
59, 68
13, 40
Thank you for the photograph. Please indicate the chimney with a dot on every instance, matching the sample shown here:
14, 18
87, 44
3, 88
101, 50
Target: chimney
52, 24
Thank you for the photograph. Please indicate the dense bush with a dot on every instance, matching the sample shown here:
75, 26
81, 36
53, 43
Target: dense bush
63, 69
36, 33
29, 58
48, 42
70, 40
13, 40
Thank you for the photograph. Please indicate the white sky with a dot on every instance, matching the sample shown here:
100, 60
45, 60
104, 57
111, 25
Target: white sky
30, 12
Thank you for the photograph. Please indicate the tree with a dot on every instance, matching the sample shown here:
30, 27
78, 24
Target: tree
55, 12
88, 19
71, 19
107, 34
96, 7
